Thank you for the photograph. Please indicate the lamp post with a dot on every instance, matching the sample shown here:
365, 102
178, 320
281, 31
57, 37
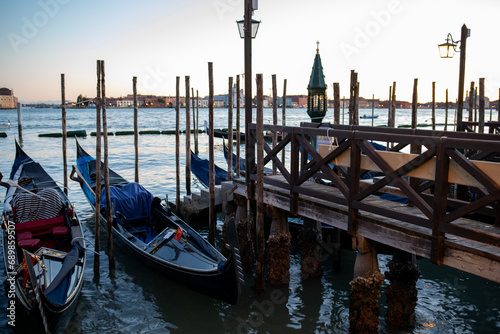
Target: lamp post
248, 29
447, 50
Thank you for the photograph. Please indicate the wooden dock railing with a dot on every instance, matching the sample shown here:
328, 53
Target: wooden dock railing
428, 167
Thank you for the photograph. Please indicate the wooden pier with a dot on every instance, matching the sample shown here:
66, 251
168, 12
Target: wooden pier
320, 179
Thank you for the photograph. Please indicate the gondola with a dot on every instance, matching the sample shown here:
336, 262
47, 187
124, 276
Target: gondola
43, 246
242, 161
368, 116
201, 169
151, 232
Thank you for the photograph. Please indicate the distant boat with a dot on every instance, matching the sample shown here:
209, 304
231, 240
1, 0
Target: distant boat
5, 125
368, 116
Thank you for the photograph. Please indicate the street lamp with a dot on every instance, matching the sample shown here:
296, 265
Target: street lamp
248, 29
447, 50
253, 31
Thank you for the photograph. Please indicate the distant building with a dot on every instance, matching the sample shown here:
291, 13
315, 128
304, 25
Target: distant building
7, 99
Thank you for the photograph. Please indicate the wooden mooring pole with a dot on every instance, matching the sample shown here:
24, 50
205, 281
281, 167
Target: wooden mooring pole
481, 106
238, 139
446, 112
188, 140
64, 134
278, 249
230, 130
212, 221
98, 174
283, 117
393, 103
275, 117
136, 129
336, 103
19, 122
260, 245
433, 118
177, 147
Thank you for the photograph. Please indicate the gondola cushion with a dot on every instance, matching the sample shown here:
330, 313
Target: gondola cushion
24, 236
28, 243
41, 226
60, 231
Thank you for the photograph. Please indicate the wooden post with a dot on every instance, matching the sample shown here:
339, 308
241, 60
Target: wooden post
373, 107
195, 129
275, 117
390, 120
136, 129
177, 146
353, 100
343, 109
336, 103
106, 171
238, 139
283, 117
446, 112
188, 140
433, 105
471, 102
414, 104
98, 173
498, 105
393, 102
19, 122
401, 294
230, 130
212, 221
278, 248
259, 193
481, 105
64, 134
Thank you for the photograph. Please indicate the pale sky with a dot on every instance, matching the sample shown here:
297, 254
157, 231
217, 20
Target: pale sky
157, 40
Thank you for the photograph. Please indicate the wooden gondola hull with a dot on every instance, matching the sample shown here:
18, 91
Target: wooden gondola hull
196, 264
66, 259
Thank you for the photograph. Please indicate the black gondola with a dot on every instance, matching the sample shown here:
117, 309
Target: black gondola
160, 239
43, 246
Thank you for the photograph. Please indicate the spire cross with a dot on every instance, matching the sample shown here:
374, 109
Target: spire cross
317, 48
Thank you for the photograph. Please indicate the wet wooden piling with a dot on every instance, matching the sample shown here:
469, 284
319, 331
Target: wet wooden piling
336, 103
275, 117
106, 170
446, 111
238, 139
353, 100
19, 122
188, 139
64, 133
364, 307
260, 242
98, 173
230, 130
283, 116
278, 249
481, 106
310, 240
212, 215
136, 129
177, 146
393, 105
401, 293
471, 101
433, 117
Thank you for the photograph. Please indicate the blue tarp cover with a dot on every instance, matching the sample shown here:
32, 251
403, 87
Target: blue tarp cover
132, 200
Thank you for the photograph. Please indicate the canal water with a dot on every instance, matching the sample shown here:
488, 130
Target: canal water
138, 300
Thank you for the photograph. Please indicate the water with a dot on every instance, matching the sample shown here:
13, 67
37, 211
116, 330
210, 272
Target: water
138, 300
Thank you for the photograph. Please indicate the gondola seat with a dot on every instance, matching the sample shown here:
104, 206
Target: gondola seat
24, 236
60, 231
41, 226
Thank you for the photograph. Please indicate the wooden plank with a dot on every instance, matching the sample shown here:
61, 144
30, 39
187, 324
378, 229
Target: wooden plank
427, 171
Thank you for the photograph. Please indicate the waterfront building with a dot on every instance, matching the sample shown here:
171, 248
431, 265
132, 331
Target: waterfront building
7, 99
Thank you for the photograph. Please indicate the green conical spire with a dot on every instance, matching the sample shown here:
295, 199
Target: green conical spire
316, 91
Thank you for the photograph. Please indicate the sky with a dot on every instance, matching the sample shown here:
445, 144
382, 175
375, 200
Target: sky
384, 41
